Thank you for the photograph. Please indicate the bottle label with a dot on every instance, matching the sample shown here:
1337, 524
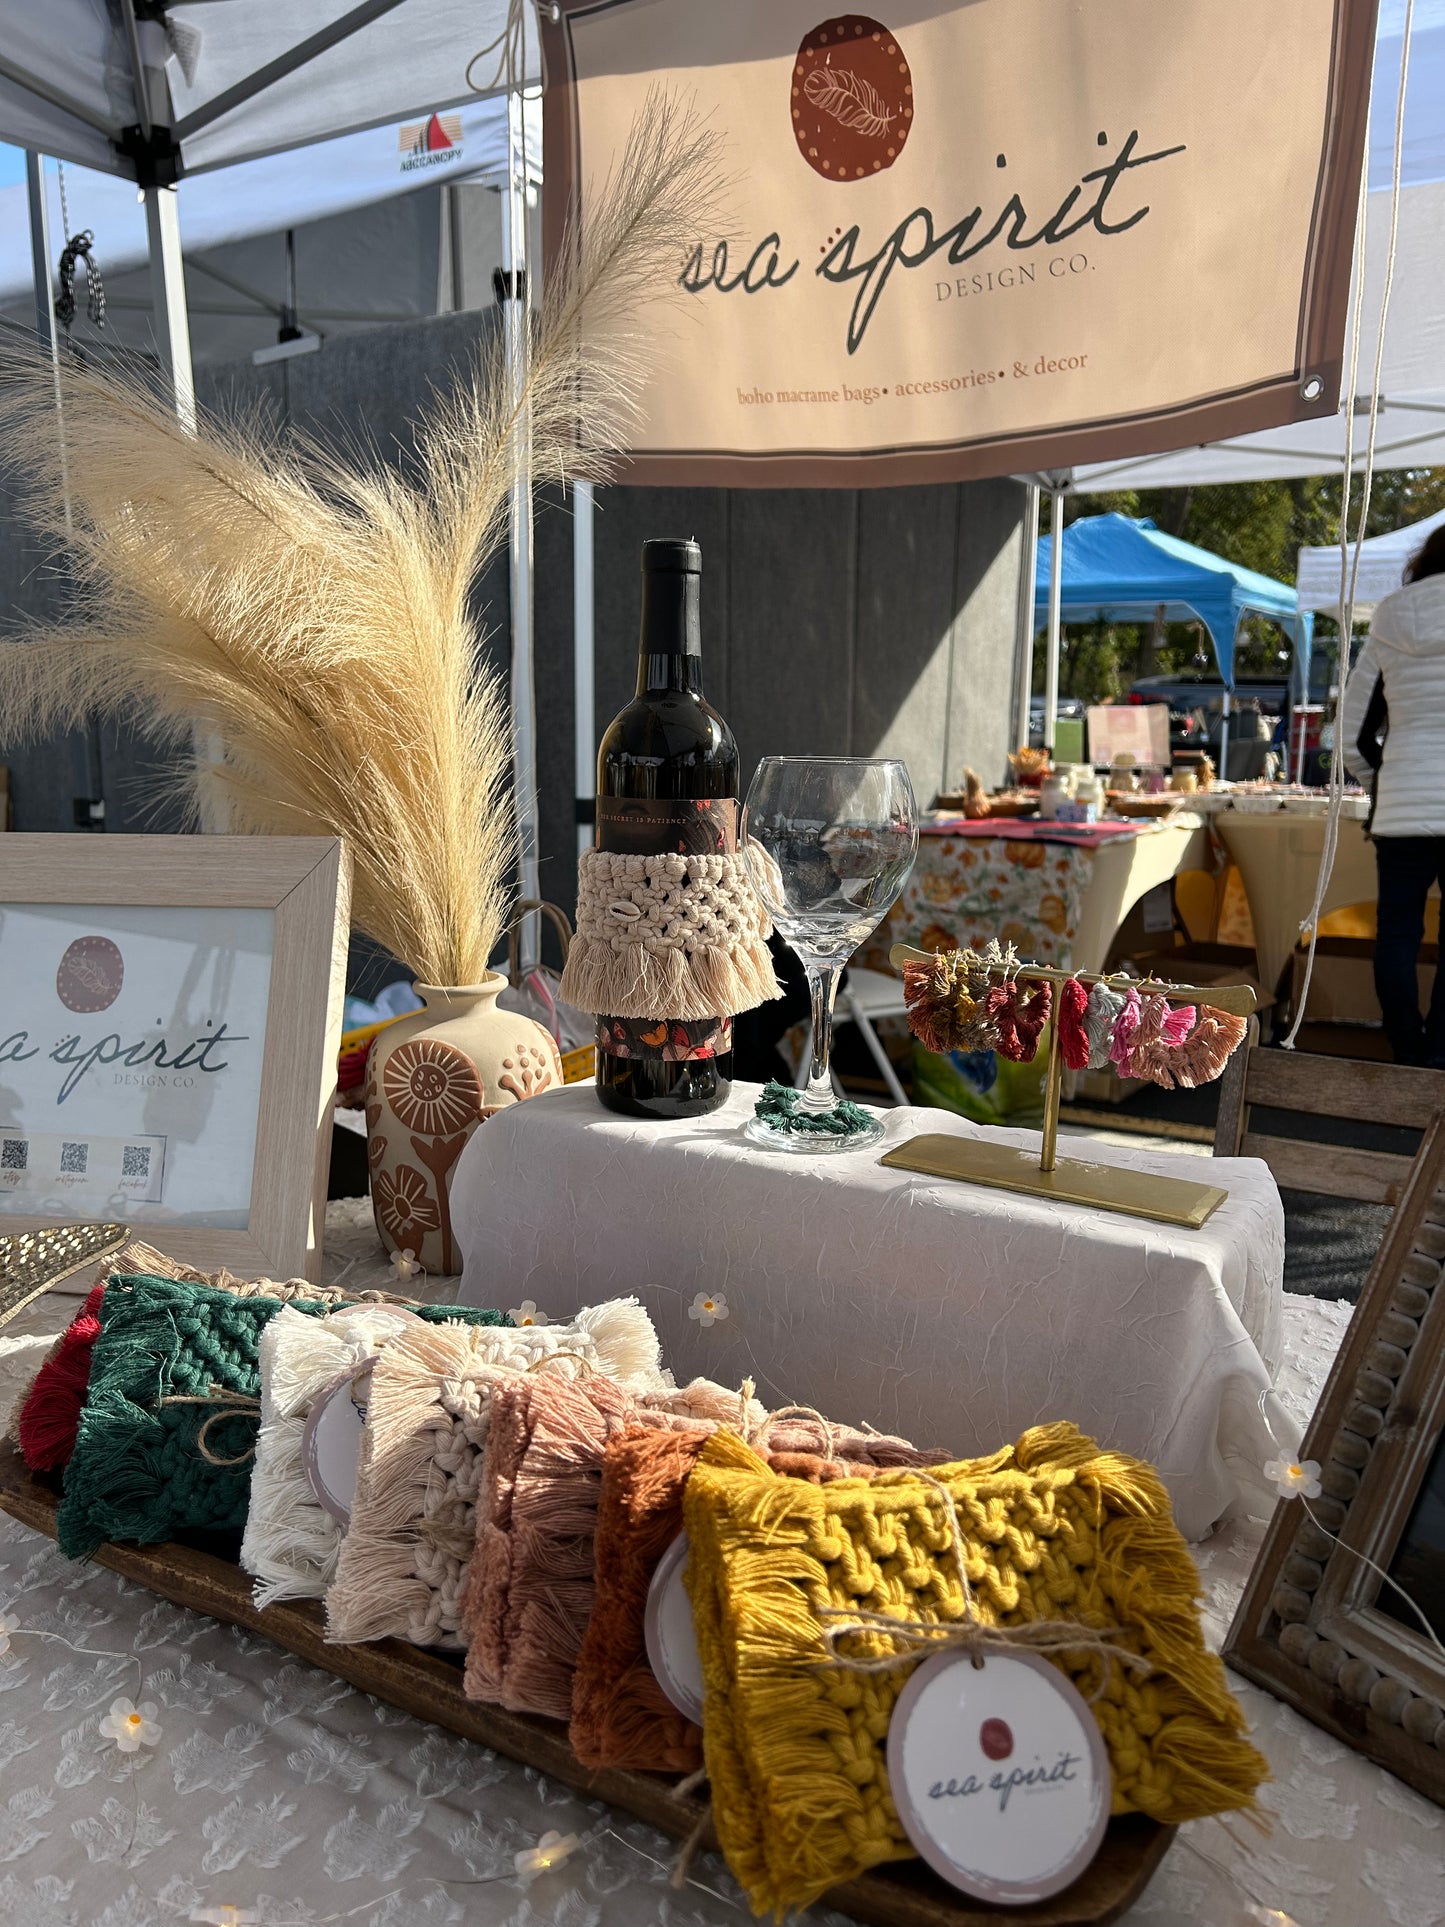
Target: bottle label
681, 826
649, 826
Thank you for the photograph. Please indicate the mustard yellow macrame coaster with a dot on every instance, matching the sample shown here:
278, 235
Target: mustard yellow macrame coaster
1053, 1528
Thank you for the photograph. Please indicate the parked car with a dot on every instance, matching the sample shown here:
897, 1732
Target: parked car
1071, 709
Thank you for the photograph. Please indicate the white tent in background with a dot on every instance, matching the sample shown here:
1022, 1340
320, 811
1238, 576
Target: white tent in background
199, 85
1381, 572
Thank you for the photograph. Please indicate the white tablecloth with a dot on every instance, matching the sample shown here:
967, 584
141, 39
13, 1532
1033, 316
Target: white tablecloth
951, 1313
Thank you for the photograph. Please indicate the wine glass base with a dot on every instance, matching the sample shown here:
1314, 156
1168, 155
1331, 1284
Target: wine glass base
810, 1143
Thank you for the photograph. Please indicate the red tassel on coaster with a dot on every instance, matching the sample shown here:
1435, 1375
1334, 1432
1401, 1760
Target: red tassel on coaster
1019, 1015
1073, 1039
1208, 1048
50, 1417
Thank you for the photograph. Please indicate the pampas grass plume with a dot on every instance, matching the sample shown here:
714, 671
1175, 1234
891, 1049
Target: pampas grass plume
309, 614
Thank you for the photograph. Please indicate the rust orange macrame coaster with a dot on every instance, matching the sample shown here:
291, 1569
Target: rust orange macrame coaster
620, 1714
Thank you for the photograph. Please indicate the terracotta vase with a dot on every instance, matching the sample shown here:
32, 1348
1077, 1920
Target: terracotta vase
430, 1081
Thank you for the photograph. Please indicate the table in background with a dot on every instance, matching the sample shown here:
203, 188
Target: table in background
1277, 854
1058, 895
951, 1313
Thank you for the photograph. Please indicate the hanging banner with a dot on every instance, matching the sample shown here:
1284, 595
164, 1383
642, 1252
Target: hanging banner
980, 239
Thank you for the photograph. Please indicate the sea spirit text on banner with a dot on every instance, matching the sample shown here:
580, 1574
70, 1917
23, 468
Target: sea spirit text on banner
970, 240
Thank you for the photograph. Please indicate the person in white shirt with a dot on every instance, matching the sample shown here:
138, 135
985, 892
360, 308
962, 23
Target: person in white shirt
1393, 725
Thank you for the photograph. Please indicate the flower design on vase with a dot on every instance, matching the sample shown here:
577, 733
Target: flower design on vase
404, 1204
529, 1069
431, 1087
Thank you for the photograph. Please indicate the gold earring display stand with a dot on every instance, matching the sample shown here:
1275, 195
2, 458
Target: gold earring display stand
1108, 1187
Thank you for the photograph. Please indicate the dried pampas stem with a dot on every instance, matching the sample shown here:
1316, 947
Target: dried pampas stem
309, 614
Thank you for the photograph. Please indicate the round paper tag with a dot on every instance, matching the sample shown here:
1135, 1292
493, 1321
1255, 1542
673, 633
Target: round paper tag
999, 1774
671, 1642
331, 1440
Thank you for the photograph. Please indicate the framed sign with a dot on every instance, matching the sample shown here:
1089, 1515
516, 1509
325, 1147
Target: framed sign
984, 237
168, 1038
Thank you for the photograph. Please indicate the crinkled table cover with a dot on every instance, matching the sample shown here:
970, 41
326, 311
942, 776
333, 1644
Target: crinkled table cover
950, 1313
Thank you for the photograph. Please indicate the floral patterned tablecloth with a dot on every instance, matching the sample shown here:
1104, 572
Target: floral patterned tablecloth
965, 889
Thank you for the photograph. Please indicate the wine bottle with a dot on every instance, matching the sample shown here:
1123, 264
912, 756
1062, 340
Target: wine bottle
667, 780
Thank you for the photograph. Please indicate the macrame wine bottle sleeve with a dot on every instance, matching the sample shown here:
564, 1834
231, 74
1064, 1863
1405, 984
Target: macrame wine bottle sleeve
1052, 1527
682, 935
404, 1563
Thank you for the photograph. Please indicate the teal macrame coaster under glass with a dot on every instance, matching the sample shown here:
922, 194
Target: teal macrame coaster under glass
781, 1121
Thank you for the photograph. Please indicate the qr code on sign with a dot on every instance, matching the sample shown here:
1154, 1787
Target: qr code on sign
14, 1153
73, 1159
135, 1161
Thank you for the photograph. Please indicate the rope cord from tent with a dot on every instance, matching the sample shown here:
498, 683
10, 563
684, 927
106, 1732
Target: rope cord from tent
79, 249
1350, 564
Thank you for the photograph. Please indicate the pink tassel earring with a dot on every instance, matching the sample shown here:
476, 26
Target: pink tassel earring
1073, 1038
1163, 1027
1126, 1028
1208, 1048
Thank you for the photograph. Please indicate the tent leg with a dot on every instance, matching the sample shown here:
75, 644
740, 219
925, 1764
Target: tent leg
1224, 737
1056, 596
584, 665
1024, 620
516, 324
168, 297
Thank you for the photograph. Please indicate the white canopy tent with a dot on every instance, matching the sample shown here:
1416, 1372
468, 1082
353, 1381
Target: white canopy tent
199, 85
1383, 559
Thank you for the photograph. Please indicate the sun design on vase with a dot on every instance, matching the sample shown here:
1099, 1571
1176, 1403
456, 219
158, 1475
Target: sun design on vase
404, 1203
431, 1087
530, 1069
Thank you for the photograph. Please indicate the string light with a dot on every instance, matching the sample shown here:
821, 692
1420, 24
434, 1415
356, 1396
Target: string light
550, 1851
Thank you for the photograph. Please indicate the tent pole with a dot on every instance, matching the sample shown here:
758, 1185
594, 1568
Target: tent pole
516, 324
168, 297
584, 665
1056, 597
1024, 619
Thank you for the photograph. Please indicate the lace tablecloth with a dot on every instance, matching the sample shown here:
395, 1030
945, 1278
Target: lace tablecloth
276, 1790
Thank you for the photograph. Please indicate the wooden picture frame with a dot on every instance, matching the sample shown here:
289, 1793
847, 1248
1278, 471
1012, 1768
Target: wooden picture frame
1310, 1627
304, 885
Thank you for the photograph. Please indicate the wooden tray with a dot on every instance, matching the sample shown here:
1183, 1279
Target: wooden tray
430, 1687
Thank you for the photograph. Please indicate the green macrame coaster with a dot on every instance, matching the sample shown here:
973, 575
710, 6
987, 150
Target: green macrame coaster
778, 1107
168, 1432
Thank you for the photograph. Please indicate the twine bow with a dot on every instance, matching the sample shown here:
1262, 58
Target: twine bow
229, 1405
915, 1639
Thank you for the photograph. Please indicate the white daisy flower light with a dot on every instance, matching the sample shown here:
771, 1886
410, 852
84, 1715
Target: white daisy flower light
1293, 1478
708, 1308
527, 1314
131, 1726
550, 1851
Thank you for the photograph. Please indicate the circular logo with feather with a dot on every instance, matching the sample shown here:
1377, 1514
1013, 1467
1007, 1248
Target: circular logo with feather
852, 101
90, 975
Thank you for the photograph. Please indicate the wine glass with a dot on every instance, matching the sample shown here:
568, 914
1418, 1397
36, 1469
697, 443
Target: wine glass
829, 842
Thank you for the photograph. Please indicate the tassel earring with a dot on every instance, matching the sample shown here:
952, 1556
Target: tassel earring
1163, 1027
1126, 1028
1208, 1048
1019, 1017
1073, 1036
940, 1007
1099, 1020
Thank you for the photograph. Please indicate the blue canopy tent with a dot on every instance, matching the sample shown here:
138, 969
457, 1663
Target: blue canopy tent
1125, 570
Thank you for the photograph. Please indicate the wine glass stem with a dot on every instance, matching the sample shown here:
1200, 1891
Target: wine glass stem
822, 988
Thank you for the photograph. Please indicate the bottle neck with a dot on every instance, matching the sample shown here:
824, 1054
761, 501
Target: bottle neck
669, 653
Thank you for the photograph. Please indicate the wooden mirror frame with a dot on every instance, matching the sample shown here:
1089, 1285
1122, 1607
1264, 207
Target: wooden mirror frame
1308, 1628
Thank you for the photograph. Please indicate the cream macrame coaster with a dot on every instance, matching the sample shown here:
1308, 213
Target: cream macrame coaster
291, 1541
404, 1560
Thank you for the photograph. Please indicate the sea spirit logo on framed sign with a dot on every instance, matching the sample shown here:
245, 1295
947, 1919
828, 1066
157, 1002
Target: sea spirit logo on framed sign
166, 1040
974, 239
